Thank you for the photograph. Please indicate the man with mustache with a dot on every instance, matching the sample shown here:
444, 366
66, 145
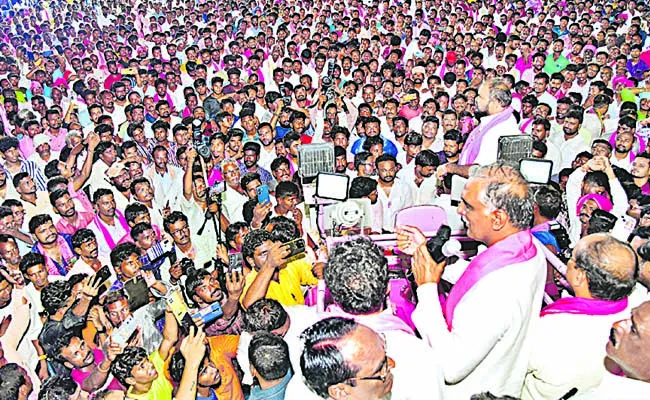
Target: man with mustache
55, 133
424, 189
572, 139
343, 359
394, 193
480, 334
602, 275
204, 289
54, 246
109, 224
627, 359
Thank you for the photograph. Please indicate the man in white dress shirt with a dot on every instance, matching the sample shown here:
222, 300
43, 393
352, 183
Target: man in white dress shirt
480, 334
602, 275
394, 193
482, 144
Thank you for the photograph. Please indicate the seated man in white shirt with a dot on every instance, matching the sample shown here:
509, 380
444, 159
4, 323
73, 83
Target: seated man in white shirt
602, 275
480, 334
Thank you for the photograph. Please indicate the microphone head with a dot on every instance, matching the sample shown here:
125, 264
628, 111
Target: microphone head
451, 248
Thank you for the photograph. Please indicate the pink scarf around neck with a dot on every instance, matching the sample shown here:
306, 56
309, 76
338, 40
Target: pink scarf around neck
514, 249
582, 306
473, 144
102, 227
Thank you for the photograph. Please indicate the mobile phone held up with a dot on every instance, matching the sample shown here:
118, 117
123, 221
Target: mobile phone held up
296, 249
263, 194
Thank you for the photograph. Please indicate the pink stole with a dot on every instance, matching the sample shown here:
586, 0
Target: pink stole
384, 321
102, 227
168, 97
514, 249
473, 144
582, 306
525, 124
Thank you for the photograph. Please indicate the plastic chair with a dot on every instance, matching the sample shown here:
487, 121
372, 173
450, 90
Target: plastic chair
427, 218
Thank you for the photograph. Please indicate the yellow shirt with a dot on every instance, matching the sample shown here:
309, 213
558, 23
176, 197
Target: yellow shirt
287, 290
161, 388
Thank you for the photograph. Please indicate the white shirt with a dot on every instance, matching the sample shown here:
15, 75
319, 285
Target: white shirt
581, 364
591, 123
426, 193
570, 148
233, 204
400, 197
301, 317
625, 163
116, 231
490, 142
554, 154
25, 347
613, 387
168, 186
487, 348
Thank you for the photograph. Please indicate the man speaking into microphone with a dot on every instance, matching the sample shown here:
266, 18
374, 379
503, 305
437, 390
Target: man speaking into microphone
479, 331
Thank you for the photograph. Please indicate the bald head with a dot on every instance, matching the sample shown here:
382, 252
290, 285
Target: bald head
610, 266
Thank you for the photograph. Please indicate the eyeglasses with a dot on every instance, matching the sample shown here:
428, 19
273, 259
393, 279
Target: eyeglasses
383, 373
184, 229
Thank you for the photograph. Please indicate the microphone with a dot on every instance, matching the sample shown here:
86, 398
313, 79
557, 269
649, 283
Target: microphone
442, 246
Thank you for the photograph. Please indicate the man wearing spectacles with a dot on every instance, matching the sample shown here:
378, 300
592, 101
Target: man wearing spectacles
343, 359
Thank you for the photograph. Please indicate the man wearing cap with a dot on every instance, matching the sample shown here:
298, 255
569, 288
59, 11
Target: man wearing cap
449, 65
43, 152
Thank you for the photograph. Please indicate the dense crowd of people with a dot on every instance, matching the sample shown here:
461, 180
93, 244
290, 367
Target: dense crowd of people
158, 238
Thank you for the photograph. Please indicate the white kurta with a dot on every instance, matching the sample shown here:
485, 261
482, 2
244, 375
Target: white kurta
614, 387
558, 363
490, 142
487, 348
400, 197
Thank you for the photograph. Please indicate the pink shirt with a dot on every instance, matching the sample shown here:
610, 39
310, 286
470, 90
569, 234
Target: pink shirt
80, 376
57, 143
84, 219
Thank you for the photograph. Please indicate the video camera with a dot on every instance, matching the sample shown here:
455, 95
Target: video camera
215, 191
199, 144
328, 82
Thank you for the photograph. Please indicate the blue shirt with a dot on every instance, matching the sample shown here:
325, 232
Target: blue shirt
546, 237
281, 131
274, 393
636, 71
65, 264
389, 147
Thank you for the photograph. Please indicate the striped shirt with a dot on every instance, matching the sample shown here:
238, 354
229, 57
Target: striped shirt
32, 169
